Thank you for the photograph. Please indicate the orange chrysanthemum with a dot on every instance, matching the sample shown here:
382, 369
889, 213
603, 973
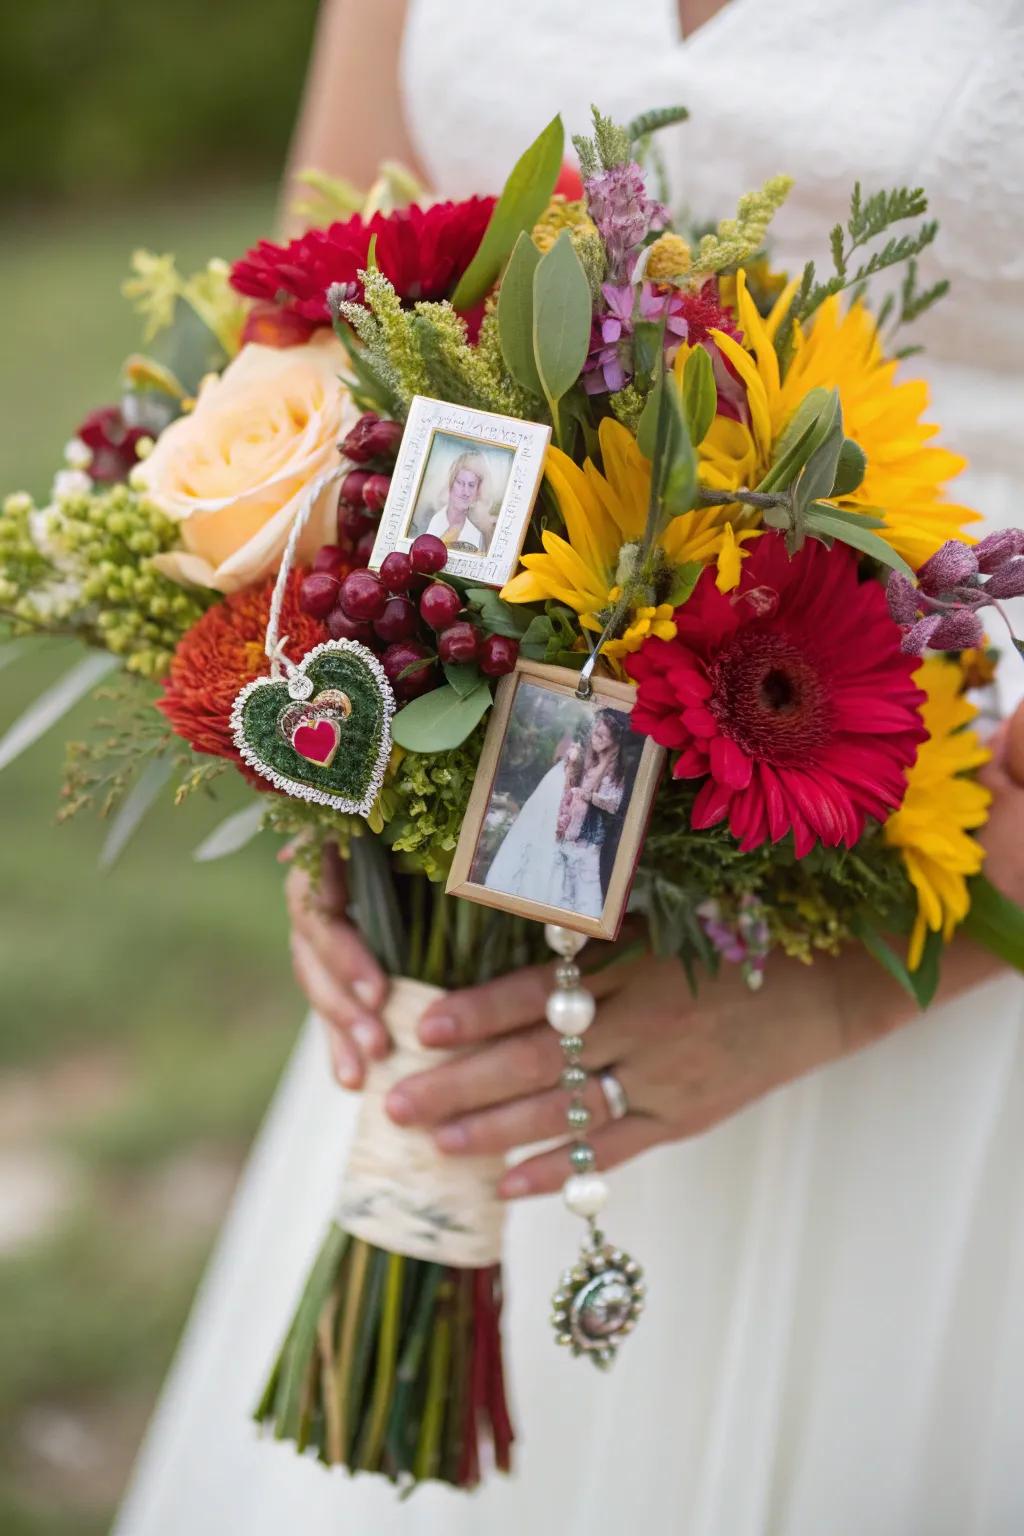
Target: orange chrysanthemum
223, 652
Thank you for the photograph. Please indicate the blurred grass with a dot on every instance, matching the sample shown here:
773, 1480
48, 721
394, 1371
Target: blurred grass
162, 987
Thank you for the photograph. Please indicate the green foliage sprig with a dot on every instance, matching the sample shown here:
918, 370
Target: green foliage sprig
102, 767
425, 351
610, 146
869, 219
654, 119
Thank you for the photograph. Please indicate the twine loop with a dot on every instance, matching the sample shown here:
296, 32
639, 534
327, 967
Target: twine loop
280, 663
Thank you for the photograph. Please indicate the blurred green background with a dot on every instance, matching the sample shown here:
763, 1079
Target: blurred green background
145, 1013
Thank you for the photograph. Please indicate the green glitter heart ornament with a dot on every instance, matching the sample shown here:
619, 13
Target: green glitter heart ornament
308, 744
318, 729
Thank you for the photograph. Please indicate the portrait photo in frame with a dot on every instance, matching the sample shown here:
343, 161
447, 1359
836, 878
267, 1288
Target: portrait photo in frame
564, 789
470, 478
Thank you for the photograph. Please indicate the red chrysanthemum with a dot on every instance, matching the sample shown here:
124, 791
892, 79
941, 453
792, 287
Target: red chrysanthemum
223, 652
422, 251
790, 695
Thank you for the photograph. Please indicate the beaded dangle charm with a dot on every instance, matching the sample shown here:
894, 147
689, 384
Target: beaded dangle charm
600, 1298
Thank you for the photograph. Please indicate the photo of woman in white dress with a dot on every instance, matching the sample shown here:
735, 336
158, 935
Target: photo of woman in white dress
558, 845
461, 493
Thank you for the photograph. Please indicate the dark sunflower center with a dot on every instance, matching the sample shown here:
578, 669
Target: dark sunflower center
770, 698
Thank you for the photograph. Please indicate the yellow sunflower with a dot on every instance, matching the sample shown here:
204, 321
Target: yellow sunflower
602, 514
933, 825
905, 475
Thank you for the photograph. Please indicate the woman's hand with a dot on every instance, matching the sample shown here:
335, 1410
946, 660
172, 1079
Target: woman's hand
683, 1064
341, 979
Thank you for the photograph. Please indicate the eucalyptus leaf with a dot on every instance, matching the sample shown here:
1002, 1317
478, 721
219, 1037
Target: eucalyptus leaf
440, 719
864, 517
562, 313
526, 194
233, 833
819, 521
700, 396
188, 349
811, 423
52, 705
515, 315
132, 811
851, 469
497, 616
462, 676
818, 475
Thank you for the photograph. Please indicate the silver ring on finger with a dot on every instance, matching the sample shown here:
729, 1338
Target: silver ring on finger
614, 1095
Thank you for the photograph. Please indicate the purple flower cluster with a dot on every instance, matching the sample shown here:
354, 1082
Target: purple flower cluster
941, 612
609, 363
618, 204
743, 940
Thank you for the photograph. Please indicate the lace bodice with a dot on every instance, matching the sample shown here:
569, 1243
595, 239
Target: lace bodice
926, 92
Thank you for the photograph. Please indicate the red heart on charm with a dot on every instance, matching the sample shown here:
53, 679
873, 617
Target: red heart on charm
317, 741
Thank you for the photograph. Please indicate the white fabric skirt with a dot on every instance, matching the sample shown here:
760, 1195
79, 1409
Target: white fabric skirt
834, 1341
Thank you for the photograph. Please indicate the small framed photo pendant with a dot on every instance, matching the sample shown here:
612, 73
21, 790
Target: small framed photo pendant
563, 793
470, 478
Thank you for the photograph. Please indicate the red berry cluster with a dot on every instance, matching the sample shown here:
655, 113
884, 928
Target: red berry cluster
401, 611
373, 445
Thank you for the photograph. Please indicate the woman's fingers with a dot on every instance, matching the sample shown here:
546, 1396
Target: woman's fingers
498, 1007
548, 1171
519, 1064
338, 1010
523, 1063
348, 964
346, 1062
518, 1124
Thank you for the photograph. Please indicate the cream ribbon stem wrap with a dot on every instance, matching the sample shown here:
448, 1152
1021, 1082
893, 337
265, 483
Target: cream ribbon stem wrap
399, 1192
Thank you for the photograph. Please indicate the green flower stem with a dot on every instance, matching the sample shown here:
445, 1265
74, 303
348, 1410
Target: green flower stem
763, 500
401, 1435
387, 1354
428, 1450
356, 1281
435, 967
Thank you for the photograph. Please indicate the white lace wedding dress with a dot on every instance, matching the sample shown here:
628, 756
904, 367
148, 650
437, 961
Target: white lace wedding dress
835, 1339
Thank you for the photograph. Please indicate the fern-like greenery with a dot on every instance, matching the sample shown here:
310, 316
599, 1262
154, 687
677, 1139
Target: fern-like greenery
646, 123
869, 220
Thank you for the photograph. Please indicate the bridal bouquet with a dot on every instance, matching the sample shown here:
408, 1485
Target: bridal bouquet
451, 528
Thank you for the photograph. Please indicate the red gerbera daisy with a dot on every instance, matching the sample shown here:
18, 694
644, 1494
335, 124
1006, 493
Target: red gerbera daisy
792, 696
223, 652
422, 251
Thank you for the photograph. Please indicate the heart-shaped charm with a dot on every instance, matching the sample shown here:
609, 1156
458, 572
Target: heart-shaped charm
324, 733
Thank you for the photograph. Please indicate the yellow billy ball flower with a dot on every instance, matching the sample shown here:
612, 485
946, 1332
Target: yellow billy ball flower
670, 256
933, 826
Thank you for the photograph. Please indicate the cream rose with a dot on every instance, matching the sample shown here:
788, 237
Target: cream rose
233, 471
